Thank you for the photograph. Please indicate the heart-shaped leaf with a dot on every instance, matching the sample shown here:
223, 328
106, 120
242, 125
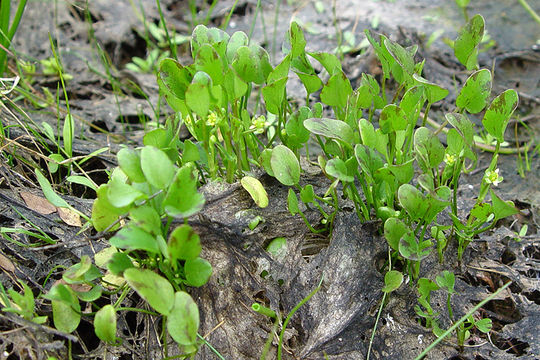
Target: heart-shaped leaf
475, 93
208, 61
183, 200
174, 78
392, 119
337, 168
466, 44
501, 208
499, 112
129, 161
433, 91
337, 90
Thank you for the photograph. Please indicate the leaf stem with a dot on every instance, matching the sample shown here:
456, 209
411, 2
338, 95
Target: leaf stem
290, 315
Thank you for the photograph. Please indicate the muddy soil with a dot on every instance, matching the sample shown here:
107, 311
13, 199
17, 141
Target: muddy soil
337, 321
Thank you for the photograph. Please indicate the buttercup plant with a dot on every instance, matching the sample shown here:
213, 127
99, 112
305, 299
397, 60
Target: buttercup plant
146, 192
446, 282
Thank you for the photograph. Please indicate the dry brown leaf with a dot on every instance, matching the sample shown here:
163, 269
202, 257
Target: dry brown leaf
37, 203
6, 264
69, 216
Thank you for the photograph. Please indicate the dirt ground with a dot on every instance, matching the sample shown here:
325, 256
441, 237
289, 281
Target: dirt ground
337, 321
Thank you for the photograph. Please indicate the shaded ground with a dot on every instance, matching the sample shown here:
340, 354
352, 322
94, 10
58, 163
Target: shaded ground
338, 320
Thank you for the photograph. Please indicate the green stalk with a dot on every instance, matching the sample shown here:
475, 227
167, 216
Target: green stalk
269, 340
460, 321
7, 32
263, 310
290, 315
276, 15
210, 347
210, 11
228, 19
172, 45
530, 10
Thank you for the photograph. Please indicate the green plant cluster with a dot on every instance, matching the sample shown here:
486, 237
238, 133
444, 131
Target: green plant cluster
445, 282
147, 193
372, 151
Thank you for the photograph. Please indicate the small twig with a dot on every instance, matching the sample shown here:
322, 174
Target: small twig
23, 322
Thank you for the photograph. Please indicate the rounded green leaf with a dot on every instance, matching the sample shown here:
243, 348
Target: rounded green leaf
428, 149
256, 190
463, 125
105, 324
337, 168
197, 271
292, 202
208, 61
413, 201
183, 199
121, 194
174, 77
103, 213
331, 128
475, 93
66, 308
130, 163
265, 160
146, 218
132, 238
392, 119
156, 290
484, 325
277, 247
184, 243
446, 280
183, 320
237, 40
307, 194
158, 169
285, 165
499, 112
412, 249
392, 281
198, 94
394, 229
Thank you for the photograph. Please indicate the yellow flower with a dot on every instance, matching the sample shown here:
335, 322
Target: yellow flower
450, 159
212, 119
258, 124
